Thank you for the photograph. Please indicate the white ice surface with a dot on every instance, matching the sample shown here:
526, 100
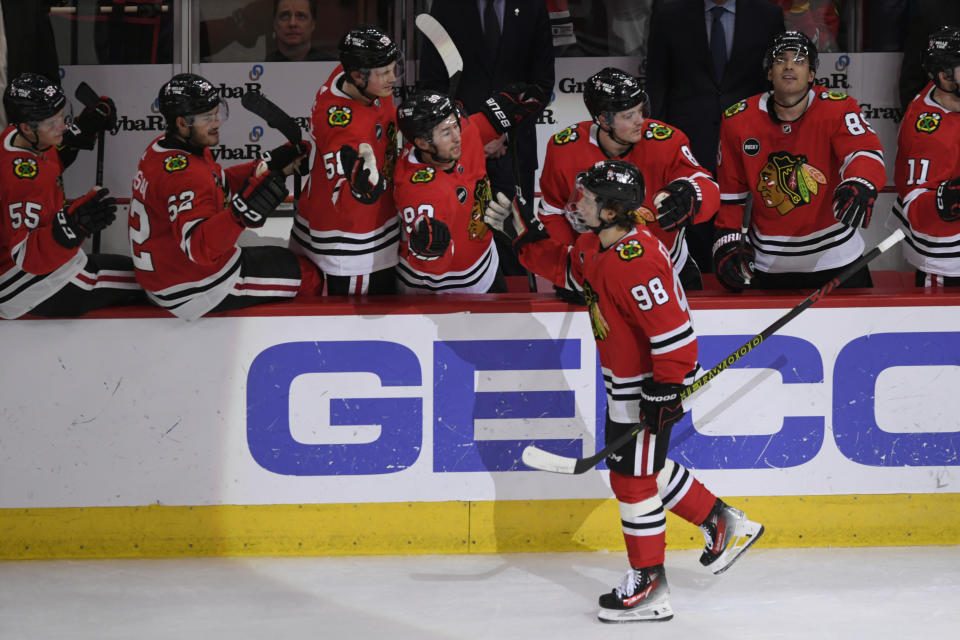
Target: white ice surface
798, 593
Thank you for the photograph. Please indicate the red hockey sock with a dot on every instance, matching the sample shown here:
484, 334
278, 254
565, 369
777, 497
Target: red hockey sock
311, 280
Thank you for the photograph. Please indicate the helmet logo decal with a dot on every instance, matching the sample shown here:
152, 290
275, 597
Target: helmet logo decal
177, 162
339, 116
25, 168
565, 136
425, 174
658, 132
630, 250
928, 122
787, 181
481, 197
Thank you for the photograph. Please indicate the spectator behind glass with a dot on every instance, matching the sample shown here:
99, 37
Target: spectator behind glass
293, 24
819, 19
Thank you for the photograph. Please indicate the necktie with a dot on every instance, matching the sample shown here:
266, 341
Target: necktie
718, 42
491, 30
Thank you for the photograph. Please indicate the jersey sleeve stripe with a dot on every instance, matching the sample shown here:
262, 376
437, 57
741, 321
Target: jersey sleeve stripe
185, 238
672, 340
734, 198
549, 209
875, 155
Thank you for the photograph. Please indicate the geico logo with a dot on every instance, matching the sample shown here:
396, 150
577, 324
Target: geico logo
150, 123
246, 152
237, 92
833, 81
570, 85
863, 426
881, 113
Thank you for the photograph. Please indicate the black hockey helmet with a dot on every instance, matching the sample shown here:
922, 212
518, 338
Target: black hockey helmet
618, 185
942, 52
31, 97
421, 112
611, 90
187, 94
367, 47
791, 41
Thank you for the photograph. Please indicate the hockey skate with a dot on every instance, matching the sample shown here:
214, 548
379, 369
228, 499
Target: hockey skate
641, 597
727, 534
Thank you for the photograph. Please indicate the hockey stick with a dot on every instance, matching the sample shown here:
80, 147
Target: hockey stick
546, 461
89, 98
442, 42
276, 118
515, 158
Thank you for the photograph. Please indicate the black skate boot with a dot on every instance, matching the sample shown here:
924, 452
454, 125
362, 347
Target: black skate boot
641, 597
727, 534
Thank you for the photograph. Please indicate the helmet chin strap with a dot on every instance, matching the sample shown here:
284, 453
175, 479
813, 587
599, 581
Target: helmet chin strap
612, 135
604, 224
956, 90
34, 144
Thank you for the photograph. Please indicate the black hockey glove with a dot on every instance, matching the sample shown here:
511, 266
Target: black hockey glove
501, 211
429, 238
676, 203
948, 200
87, 215
286, 155
733, 257
258, 198
360, 168
82, 132
512, 105
853, 202
660, 405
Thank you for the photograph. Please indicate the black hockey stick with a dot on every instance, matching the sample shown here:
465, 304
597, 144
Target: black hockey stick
276, 118
515, 158
442, 42
89, 98
546, 461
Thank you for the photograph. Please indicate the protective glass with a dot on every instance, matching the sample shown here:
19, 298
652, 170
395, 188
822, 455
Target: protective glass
581, 200
384, 73
798, 57
220, 114
57, 121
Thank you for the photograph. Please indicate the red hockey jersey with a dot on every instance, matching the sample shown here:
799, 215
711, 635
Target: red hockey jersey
33, 266
458, 198
926, 156
663, 155
791, 170
637, 308
341, 235
183, 236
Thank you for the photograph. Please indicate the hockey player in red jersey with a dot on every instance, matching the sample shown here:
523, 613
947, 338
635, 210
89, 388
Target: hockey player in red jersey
442, 190
681, 191
187, 214
928, 167
347, 224
43, 270
812, 165
647, 350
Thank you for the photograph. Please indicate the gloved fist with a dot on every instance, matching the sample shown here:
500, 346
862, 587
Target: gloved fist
260, 195
733, 257
853, 202
82, 132
87, 215
288, 158
360, 169
676, 203
660, 405
948, 200
429, 238
513, 104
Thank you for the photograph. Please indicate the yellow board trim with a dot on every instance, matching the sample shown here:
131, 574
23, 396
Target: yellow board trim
452, 527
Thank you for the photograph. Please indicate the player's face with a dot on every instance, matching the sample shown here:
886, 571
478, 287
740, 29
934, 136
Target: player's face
293, 22
588, 209
50, 130
447, 139
628, 124
790, 73
205, 131
382, 79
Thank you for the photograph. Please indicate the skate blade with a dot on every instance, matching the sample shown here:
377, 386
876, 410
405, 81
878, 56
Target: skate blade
656, 613
743, 540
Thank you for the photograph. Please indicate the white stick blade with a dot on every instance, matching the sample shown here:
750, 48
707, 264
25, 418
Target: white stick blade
546, 461
441, 40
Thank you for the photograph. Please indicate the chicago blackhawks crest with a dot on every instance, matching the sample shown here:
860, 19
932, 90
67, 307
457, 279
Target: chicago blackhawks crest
338, 116
658, 132
787, 181
426, 174
565, 136
928, 122
733, 110
177, 162
630, 249
25, 168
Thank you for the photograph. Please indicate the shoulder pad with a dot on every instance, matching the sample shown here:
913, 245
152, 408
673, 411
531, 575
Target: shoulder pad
928, 122
832, 95
426, 174
25, 168
339, 115
734, 109
176, 162
566, 136
630, 249
658, 131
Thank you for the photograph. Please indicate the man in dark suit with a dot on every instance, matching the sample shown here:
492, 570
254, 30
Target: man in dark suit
692, 76
516, 46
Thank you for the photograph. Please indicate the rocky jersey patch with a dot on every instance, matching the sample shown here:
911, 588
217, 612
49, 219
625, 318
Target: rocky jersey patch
658, 132
25, 168
565, 136
338, 116
178, 162
833, 95
734, 109
425, 174
928, 122
630, 249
